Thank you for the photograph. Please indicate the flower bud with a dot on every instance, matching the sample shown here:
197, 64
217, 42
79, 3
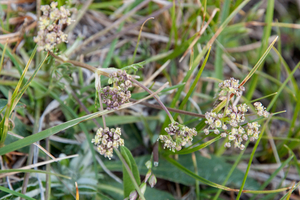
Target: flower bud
133, 195
143, 188
152, 180
147, 175
148, 164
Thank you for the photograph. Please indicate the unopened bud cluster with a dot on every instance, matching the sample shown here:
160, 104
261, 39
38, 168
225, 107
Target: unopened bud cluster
230, 122
119, 94
106, 139
178, 136
50, 25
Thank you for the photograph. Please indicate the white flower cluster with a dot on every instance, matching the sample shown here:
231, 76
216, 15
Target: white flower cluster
50, 26
178, 136
229, 87
230, 122
106, 139
261, 110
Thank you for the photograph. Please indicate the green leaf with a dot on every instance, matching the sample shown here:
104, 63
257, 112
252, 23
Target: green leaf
46, 133
128, 185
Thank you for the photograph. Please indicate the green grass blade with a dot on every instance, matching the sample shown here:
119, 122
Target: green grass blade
266, 183
2, 57
48, 132
265, 39
282, 86
24, 88
232, 169
219, 50
15, 193
287, 69
105, 4
215, 185
251, 158
12, 58
205, 49
186, 98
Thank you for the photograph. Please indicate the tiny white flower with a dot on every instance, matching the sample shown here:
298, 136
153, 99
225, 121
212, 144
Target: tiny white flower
231, 137
218, 123
206, 131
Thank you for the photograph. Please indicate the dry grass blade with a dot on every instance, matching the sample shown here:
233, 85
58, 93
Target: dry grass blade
125, 30
258, 63
80, 15
274, 24
9, 38
201, 31
248, 47
77, 191
38, 164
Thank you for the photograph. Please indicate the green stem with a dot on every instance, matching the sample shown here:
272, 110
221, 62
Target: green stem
130, 174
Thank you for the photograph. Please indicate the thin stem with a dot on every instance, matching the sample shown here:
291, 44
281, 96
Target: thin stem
170, 109
156, 97
130, 173
227, 103
101, 108
79, 64
139, 37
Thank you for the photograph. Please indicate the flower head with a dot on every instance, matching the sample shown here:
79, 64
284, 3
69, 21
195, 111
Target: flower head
261, 110
51, 23
230, 122
178, 136
229, 87
119, 94
106, 139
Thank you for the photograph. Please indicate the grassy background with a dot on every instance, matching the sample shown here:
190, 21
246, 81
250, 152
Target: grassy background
45, 100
